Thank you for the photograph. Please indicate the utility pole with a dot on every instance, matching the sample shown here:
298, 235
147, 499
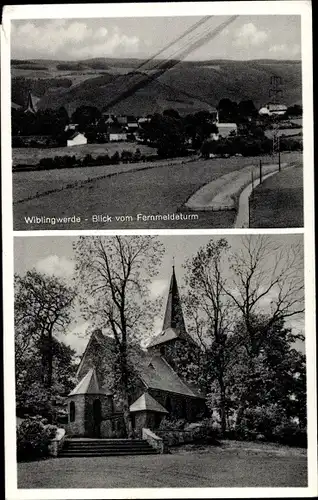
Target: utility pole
260, 172
279, 164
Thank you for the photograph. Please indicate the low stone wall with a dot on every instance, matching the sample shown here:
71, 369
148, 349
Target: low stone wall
56, 444
155, 441
173, 437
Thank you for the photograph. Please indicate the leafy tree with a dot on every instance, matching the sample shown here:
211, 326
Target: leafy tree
43, 306
246, 110
173, 113
295, 110
228, 111
112, 275
85, 116
199, 127
166, 133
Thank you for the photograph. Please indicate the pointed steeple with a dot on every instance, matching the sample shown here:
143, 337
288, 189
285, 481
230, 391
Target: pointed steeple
173, 315
30, 106
173, 323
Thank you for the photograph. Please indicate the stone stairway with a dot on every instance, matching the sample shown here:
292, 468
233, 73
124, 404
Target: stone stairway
105, 447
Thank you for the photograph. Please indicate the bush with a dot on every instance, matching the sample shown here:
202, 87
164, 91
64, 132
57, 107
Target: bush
33, 438
270, 424
172, 424
291, 434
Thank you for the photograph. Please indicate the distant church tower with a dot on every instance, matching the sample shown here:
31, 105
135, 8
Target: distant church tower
30, 108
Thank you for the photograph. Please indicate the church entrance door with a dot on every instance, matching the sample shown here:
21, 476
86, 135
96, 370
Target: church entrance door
97, 417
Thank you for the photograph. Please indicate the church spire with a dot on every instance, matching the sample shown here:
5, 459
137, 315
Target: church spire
173, 315
30, 106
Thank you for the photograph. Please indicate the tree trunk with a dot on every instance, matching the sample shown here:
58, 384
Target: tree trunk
49, 358
222, 406
127, 416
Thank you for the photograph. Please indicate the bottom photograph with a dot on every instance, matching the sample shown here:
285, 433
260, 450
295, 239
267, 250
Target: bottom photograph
160, 361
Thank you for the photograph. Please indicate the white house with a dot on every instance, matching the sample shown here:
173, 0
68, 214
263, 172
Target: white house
77, 139
225, 129
116, 133
273, 109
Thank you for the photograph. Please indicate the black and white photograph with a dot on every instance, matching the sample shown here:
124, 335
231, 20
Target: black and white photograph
158, 250
173, 122
160, 361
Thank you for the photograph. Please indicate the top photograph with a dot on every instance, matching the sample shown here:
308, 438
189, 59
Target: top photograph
174, 122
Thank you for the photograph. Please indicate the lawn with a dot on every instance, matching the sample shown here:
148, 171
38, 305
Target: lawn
161, 188
233, 466
278, 201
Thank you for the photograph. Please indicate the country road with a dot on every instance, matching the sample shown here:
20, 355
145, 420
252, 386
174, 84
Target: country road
161, 191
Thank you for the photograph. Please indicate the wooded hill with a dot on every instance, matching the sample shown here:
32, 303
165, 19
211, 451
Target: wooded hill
188, 87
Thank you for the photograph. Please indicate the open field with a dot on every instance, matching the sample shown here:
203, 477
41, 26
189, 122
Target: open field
32, 156
35, 184
242, 466
151, 189
278, 201
287, 132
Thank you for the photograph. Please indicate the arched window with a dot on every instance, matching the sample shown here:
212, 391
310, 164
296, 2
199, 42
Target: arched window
72, 411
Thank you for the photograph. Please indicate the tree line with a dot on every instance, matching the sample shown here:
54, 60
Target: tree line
237, 303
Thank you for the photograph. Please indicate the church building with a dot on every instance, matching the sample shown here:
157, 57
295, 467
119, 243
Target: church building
158, 392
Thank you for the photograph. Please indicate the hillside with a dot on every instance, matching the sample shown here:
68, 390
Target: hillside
188, 87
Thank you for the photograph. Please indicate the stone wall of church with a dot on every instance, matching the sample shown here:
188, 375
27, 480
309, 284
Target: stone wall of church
76, 426
84, 423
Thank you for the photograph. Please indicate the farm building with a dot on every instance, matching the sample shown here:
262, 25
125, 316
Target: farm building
225, 129
158, 390
116, 133
273, 109
122, 120
76, 139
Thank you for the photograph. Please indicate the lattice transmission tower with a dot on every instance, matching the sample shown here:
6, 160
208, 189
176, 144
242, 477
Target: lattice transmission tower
275, 94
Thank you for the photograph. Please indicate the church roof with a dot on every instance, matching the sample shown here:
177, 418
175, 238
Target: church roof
156, 373
146, 402
88, 385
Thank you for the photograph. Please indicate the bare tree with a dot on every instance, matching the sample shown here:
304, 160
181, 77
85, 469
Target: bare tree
266, 288
112, 275
209, 311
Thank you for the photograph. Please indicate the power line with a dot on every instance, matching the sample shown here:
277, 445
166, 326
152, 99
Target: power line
170, 63
143, 65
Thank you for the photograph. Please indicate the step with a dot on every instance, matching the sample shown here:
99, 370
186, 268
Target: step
103, 440
106, 453
108, 445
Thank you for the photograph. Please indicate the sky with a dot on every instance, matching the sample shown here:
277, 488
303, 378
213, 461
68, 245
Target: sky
247, 37
54, 256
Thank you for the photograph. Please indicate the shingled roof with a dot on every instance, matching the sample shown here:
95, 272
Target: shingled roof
156, 373
146, 402
89, 385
